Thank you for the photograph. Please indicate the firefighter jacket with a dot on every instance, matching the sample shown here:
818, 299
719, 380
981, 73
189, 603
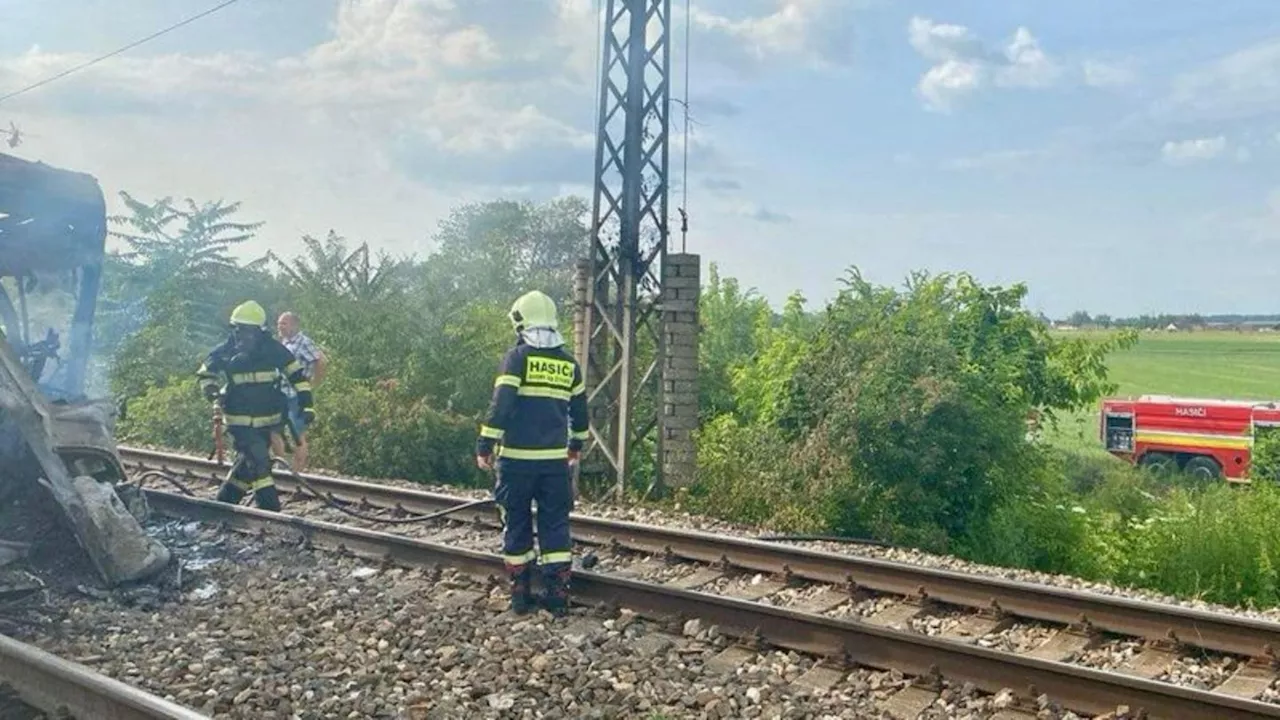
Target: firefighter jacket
253, 395
539, 406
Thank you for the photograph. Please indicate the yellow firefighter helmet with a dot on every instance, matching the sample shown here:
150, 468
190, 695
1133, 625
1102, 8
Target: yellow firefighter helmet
249, 313
533, 310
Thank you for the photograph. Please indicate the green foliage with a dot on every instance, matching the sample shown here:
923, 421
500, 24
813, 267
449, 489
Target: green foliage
1220, 544
173, 415
495, 251
925, 392
1264, 460
166, 299
413, 346
356, 308
1110, 522
896, 414
731, 320
400, 435
760, 386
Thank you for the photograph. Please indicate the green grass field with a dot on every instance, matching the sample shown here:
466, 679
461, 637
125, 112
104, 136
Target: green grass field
1210, 364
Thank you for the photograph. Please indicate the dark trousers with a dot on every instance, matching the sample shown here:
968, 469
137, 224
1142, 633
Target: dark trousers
521, 483
252, 471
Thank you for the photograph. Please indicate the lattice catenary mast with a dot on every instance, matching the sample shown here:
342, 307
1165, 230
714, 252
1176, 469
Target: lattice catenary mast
637, 304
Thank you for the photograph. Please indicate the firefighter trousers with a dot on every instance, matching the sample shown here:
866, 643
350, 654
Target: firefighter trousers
521, 483
252, 470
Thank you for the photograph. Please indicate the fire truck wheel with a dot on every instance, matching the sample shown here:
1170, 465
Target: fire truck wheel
1158, 462
1203, 468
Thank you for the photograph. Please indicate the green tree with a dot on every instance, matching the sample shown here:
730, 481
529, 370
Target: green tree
760, 383
168, 294
487, 254
491, 252
357, 306
733, 321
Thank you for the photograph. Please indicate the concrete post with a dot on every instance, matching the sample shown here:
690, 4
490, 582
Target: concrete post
681, 287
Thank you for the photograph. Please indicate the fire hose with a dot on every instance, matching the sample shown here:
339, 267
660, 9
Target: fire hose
339, 506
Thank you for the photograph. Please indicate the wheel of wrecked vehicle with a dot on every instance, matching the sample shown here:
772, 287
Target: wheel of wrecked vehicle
1203, 468
1159, 463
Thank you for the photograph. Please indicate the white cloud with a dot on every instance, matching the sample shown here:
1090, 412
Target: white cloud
406, 108
413, 101
1244, 84
455, 81
1188, 151
818, 31
1026, 63
963, 65
948, 80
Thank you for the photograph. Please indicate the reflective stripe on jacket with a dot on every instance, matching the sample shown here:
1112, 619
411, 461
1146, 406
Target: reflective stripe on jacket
539, 406
253, 382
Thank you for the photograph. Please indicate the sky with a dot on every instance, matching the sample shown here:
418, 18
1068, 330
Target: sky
1116, 157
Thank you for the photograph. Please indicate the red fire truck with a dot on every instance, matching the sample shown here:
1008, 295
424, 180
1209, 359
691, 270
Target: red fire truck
1206, 438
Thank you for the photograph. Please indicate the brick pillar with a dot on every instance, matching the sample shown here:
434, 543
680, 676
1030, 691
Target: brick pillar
681, 286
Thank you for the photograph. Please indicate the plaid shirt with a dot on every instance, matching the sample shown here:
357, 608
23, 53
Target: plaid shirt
306, 352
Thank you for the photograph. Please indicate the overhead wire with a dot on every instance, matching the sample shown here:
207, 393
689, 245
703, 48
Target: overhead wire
113, 53
684, 181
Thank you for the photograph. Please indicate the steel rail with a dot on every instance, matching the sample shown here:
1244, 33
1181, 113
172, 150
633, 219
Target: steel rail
1220, 632
54, 685
1083, 690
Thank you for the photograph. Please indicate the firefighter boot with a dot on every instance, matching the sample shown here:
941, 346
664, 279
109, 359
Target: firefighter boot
556, 577
267, 498
230, 493
522, 600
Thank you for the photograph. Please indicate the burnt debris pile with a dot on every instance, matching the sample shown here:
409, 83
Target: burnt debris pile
53, 439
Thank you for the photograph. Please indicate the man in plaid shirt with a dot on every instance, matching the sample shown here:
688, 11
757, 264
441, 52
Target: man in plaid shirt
313, 364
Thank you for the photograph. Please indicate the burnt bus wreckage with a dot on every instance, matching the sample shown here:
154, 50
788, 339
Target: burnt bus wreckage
52, 436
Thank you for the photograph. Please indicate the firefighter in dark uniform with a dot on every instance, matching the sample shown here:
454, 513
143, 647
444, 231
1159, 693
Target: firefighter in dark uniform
539, 416
250, 365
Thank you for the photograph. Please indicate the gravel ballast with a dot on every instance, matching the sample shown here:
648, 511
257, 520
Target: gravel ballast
261, 628
676, 518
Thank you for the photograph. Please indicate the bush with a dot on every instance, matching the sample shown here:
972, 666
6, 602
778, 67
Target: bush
377, 430
1264, 463
172, 415
1134, 528
1220, 544
1052, 526
362, 428
923, 392
748, 473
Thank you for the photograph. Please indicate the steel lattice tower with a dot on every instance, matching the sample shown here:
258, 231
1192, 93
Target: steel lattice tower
622, 320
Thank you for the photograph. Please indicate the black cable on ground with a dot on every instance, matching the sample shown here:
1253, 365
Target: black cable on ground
167, 477
336, 505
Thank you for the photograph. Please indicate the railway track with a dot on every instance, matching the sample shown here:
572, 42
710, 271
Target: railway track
850, 610
63, 689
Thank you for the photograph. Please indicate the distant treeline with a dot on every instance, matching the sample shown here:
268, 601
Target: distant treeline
1080, 318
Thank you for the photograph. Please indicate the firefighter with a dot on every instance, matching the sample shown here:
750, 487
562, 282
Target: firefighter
250, 365
538, 418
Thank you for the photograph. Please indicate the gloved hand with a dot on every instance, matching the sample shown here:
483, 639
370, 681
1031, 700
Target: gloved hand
210, 392
310, 416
